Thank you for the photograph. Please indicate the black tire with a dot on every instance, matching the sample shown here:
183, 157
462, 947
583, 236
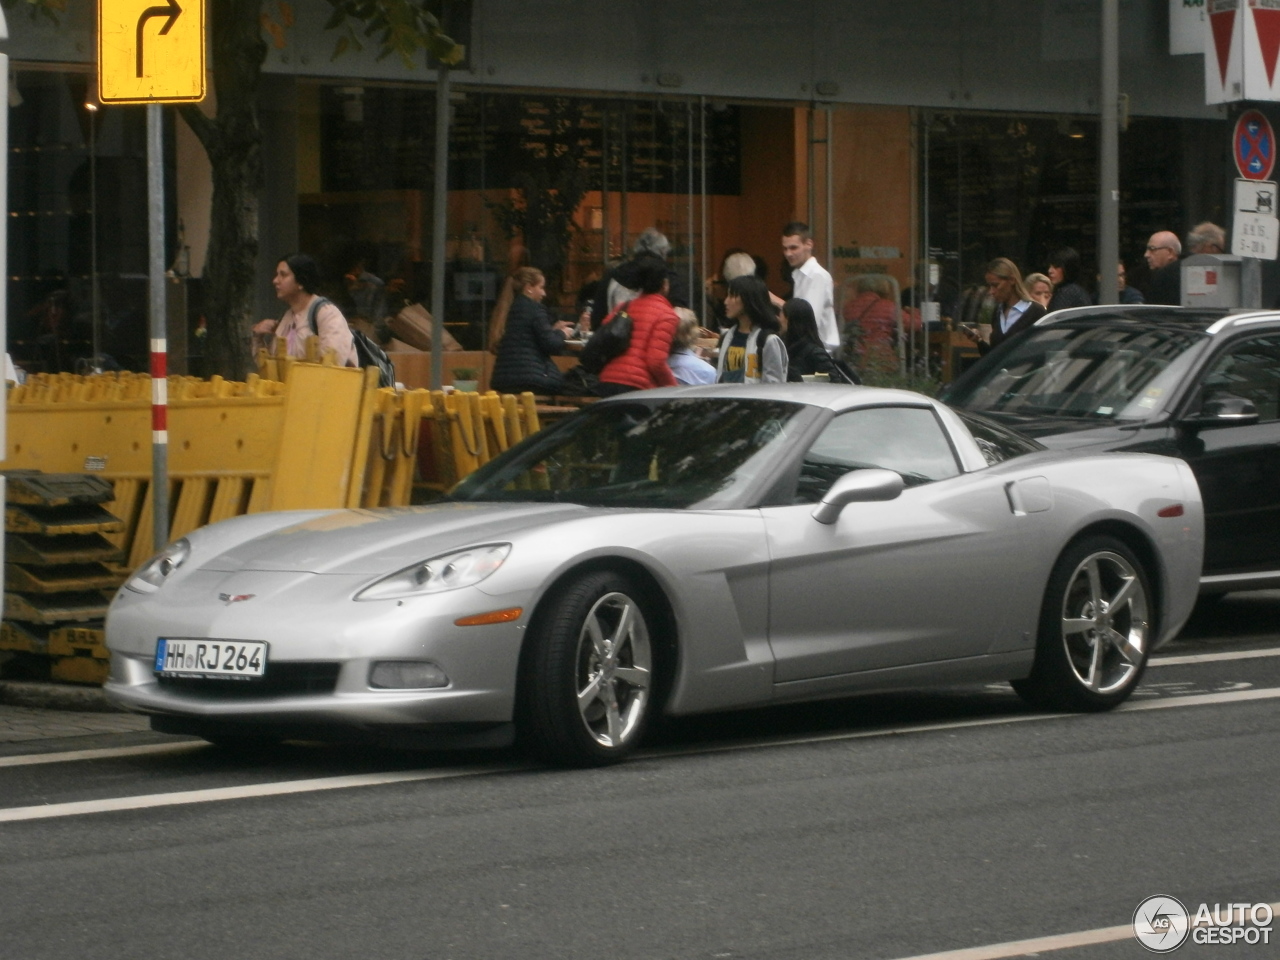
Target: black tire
1070, 671
563, 664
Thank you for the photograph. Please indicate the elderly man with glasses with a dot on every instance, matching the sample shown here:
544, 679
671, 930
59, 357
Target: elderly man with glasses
1165, 284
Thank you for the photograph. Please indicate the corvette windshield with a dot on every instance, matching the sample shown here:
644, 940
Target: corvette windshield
679, 453
1121, 372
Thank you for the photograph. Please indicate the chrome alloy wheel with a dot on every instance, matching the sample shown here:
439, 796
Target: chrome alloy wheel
614, 669
1105, 623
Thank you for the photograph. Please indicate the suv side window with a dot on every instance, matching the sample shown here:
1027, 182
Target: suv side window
1248, 369
997, 443
908, 440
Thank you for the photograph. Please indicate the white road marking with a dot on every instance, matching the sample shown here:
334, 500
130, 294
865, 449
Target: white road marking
1195, 700
1200, 699
79, 807
1022, 948
104, 753
1213, 657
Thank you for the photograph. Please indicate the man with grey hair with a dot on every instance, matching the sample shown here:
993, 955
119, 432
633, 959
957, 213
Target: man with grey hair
1207, 238
618, 286
1165, 284
651, 240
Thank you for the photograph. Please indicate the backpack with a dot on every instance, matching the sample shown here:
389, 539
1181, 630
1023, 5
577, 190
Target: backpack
607, 343
368, 353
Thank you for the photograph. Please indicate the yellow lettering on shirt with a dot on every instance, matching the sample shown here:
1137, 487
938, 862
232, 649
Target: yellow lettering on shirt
734, 362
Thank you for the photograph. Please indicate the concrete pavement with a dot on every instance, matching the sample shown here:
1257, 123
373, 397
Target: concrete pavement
38, 711
39, 723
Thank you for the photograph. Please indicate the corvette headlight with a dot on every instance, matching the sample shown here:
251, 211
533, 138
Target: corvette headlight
462, 568
151, 576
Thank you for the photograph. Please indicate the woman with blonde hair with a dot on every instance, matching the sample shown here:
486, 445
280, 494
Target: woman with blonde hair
1039, 288
1015, 310
530, 340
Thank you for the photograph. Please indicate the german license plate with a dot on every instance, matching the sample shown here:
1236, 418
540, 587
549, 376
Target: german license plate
211, 659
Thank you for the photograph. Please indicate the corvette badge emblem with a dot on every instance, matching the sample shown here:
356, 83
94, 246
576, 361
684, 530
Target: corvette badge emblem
230, 598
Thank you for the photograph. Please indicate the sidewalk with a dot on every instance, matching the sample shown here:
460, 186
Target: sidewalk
38, 723
37, 711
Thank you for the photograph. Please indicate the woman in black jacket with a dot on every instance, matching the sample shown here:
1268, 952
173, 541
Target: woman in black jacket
1064, 274
805, 351
530, 341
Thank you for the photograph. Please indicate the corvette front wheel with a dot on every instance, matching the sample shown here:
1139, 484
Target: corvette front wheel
587, 681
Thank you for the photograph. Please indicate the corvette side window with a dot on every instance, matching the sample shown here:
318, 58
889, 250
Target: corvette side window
907, 440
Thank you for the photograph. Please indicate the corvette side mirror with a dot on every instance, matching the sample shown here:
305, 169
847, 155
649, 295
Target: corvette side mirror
1223, 410
858, 486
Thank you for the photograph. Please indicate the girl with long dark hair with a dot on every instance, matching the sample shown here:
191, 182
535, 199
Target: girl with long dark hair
751, 351
806, 353
1064, 274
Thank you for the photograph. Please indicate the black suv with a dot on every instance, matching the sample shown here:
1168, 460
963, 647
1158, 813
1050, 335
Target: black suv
1195, 384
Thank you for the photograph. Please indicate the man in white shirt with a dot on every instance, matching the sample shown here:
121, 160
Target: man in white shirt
811, 282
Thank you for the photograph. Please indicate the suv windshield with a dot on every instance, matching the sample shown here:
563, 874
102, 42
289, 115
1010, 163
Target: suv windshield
1097, 372
674, 454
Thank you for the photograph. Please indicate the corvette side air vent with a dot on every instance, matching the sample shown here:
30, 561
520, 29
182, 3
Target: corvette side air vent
1029, 495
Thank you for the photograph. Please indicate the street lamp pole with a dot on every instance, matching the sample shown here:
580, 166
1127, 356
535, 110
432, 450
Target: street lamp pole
1109, 157
441, 213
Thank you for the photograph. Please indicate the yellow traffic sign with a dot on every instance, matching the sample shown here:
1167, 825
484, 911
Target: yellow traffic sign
150, 51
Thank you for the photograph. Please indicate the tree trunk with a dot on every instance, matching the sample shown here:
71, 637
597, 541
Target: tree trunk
233, 141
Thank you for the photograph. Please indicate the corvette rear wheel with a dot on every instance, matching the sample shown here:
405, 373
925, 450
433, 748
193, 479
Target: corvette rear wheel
1096, 629
587, 684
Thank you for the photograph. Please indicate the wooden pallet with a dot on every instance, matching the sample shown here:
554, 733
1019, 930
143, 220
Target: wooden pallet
33, 549
60, 579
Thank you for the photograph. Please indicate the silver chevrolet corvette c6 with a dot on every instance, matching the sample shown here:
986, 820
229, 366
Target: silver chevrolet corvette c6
679, 551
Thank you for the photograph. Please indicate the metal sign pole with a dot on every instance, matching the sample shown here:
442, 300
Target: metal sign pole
438, 232
1109, 157
159, 345
4, 248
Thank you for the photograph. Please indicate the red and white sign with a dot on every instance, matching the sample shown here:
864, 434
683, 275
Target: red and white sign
1242, 50
1223, 51
1253, 143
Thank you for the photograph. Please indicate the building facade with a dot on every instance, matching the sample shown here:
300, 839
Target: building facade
918, 138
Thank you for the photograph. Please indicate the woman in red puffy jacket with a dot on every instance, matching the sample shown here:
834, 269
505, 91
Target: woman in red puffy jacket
653, 326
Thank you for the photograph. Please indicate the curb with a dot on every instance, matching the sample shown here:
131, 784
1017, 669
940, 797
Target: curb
55, 696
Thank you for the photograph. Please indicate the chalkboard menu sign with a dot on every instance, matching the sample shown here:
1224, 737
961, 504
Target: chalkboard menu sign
382, 139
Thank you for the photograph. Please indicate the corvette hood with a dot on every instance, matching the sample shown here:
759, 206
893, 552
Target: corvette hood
381, 541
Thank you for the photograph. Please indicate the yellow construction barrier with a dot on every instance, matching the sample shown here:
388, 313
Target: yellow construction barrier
323, 436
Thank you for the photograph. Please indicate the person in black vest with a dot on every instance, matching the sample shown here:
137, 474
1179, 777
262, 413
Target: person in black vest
530, 340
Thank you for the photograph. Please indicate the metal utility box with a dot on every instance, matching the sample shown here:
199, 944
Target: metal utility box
1221, 280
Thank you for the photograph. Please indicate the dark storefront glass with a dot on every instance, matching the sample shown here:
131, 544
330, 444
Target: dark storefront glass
52, 180
1024, 187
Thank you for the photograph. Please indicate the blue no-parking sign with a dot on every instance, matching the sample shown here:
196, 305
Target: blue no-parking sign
1254, 144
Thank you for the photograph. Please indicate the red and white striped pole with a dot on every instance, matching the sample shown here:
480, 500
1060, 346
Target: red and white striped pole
159, 343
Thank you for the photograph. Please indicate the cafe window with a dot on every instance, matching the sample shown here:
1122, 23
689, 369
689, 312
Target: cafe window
564, 183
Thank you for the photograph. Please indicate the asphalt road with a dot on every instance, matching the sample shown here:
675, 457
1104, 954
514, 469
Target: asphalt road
882, 827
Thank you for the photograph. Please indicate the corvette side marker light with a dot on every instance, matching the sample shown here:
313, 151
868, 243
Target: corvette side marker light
1173, 510
495, 616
